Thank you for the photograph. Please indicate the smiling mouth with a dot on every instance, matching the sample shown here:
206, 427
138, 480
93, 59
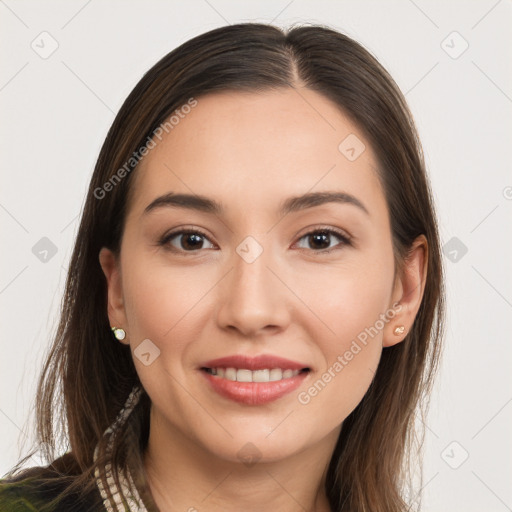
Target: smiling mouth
246, 375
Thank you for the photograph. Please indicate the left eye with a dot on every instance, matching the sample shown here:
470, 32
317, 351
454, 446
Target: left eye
322, 238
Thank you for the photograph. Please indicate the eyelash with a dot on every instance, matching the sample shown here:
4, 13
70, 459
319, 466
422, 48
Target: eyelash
345, 239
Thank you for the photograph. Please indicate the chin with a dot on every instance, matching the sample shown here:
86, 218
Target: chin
249, 447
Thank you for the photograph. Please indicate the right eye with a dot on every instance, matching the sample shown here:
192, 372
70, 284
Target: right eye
184, 240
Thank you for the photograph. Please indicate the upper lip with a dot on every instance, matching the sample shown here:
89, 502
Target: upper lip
260, 362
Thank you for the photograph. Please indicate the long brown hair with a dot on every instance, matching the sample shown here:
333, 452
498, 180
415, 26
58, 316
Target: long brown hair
88, 375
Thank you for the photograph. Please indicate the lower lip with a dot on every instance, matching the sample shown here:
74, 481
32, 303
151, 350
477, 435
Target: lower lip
254, 393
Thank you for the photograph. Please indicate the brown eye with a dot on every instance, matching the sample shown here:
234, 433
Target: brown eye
320, 240
188, 241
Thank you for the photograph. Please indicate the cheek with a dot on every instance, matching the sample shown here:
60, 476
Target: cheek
357, 309
353, 303
350, 356
349, 297
162, 302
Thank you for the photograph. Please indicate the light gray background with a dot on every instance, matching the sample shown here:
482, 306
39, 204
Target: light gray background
56, 112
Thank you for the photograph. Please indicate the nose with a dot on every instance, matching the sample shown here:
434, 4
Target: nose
252, 298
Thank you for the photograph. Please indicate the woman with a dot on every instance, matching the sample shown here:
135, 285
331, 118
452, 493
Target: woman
253, 310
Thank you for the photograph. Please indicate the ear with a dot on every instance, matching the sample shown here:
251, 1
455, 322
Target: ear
408, 292
111, 268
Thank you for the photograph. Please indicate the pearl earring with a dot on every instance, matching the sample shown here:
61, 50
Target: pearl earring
119, 333
399, 330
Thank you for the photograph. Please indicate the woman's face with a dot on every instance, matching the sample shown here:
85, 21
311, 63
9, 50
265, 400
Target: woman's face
257, 279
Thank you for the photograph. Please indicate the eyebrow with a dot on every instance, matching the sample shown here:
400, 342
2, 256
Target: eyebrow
290, 205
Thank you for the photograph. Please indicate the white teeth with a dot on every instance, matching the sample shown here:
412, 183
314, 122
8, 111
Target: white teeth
287, 374
260, 375
244, 375
275, 374
230, 374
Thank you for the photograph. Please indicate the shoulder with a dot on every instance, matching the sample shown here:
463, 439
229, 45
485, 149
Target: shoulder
38, 489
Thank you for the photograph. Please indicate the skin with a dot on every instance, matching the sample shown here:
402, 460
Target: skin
250, 151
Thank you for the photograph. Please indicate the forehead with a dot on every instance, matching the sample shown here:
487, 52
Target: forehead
258, 147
